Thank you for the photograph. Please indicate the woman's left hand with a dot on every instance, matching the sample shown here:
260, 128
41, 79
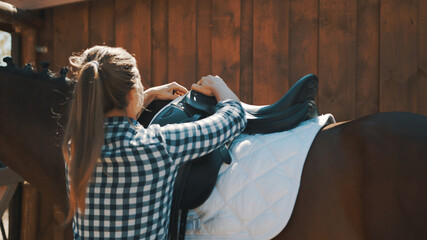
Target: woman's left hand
168, 91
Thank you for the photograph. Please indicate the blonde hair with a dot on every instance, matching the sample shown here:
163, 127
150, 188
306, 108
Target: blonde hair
104, 76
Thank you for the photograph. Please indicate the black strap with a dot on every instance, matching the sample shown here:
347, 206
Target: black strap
225, 155
182, 176
183, 224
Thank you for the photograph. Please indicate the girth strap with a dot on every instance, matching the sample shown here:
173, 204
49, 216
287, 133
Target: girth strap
183, 224
176, 201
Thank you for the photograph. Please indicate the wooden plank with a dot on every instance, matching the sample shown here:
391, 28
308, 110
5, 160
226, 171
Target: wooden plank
182, 42
160, 42
368, 59
30, 209
271, 50
226, 41
246, 52
133, 32
71, 32
45, 38
422, 58
399, 56
7, 27
204, 38
28, 44
303, 39
144, 39
102, 23
337, 58
16, 48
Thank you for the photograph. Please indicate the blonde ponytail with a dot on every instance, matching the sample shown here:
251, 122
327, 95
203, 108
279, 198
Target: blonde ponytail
86, 129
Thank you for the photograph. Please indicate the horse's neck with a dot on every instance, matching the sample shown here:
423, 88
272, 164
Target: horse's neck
30, 134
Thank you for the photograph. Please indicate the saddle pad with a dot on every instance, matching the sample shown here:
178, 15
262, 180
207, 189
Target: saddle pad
255, 195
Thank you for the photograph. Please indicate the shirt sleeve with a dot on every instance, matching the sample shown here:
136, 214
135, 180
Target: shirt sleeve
186, 141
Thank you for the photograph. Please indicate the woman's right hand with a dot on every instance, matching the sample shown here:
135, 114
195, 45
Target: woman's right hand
214, 86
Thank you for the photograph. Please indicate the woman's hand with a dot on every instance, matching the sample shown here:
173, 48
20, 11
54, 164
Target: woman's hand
209, 85
214, 86
168, 91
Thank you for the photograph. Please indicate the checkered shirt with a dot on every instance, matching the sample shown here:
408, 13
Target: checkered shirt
130, 193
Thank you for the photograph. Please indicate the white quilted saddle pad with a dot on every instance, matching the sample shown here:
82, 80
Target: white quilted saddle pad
254, 196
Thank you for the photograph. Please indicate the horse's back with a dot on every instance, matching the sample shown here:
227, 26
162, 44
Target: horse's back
364, 179
395, 175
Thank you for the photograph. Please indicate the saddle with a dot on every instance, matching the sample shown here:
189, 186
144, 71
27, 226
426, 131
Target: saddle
196, 179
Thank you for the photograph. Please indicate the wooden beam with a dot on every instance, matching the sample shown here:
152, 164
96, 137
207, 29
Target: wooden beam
6, 27
39, 4
11, 14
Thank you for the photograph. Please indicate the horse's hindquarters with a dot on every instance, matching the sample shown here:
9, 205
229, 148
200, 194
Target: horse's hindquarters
365, 179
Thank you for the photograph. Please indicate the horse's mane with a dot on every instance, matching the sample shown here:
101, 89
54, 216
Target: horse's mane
32, 81
35, 91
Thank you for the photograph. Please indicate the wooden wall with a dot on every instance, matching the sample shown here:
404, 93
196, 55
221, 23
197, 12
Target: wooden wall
370, 55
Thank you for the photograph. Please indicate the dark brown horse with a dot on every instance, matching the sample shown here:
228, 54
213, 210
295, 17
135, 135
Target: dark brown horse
363, 179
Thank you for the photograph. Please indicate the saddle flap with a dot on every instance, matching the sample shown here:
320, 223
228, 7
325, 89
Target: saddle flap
201, 180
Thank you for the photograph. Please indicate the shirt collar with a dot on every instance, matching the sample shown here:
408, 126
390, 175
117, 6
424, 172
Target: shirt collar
120, 120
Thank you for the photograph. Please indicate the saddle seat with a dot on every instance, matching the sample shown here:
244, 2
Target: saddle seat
196, 179
296, 106
304, 89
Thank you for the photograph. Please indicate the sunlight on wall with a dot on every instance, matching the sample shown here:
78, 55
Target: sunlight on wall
5, 46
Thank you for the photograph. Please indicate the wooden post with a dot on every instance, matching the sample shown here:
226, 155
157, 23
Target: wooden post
28, 43
30, 200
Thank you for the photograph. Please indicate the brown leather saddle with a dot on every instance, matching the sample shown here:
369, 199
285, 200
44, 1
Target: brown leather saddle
196, 179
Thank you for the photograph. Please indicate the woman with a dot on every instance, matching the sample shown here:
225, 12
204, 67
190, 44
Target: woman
121, 175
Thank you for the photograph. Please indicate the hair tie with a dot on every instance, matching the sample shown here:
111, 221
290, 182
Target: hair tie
96, 63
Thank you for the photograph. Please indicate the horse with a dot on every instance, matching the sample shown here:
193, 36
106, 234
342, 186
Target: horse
362, 179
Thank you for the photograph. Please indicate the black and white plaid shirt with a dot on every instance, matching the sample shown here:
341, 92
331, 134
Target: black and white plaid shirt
130, 194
